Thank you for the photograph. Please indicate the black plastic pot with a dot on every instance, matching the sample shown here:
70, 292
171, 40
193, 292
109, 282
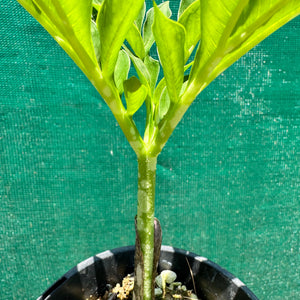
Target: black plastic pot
90, 278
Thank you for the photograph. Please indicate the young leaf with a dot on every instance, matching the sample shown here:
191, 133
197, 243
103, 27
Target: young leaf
135, 40
140, 68
153, 68
190, 19
147, 30
170, 36
162, 100
121, 70
135, 94
95, 39
140, 18
114, 21
158, 91
164, 103
184, 4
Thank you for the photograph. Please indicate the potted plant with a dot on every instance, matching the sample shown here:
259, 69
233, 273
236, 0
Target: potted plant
106, 38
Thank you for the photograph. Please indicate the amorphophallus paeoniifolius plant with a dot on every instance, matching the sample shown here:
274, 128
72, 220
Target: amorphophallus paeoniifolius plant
106, 37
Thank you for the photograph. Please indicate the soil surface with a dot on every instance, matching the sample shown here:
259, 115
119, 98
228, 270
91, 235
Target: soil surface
169, 291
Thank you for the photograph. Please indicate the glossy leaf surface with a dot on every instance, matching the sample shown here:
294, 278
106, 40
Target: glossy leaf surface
69, 23
184, 4
136, 42
218, 19
259, 20
164, 103
140, 18
231, 28
147, 29
190, 20
170, 40
96, 39
135, 94
140, 68
114, 21
153, 68
121, 70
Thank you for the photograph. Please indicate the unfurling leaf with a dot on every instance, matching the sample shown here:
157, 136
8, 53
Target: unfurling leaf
170, 38
135, 94
121, 70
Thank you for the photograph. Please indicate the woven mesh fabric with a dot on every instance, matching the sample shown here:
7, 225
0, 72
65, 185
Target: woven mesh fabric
227, 180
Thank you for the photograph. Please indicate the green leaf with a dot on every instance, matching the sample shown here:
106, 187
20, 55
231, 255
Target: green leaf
95, 39
140, 18
170, 37
184, 86
69, 23
160, 101
147, 70
259, 20
164, 103
190, 19
121, 70
135, 94
218, 19
230, 29
135, 40
158, 91
114, 21
184, 4
153, 68
147, 29
140, 68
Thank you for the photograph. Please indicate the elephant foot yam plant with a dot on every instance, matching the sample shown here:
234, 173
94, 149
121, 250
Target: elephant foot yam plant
106, 38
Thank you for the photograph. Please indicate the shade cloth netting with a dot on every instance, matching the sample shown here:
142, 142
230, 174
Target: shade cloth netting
227, 180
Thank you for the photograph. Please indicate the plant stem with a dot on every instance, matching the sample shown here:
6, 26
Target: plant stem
145, 218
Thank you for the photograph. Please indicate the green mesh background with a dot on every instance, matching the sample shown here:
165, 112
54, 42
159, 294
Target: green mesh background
228, 179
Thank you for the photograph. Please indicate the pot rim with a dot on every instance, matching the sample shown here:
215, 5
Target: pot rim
164, 249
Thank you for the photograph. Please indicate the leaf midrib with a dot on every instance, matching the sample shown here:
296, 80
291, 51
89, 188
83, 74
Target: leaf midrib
66, 33
234, 43
217, 55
